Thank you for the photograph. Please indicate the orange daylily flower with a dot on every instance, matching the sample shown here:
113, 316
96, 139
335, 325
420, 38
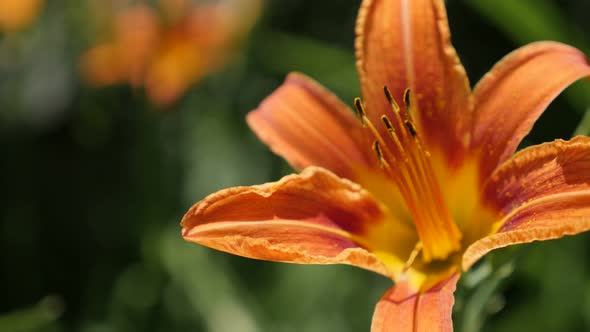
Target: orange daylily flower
168, 53
16, 15
417, 192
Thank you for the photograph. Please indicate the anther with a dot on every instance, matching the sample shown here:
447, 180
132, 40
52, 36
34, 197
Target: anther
411, 128
360, 111
390, 99
407, 100
379, 152
387, 123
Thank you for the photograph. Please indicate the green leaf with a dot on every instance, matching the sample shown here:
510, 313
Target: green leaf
39, 317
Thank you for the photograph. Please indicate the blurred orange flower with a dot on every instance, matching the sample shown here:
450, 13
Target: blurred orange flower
18, 14
168, 50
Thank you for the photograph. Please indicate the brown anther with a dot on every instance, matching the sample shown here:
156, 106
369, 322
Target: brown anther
408, 100
390, 99
387, 123
411, 128
360, 111
379, 152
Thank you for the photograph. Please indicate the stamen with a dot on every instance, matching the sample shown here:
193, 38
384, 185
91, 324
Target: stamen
390, 99
379, 152
407, 100
387, 123
415, 178
360, 111
413, 255
411, 128
393, 135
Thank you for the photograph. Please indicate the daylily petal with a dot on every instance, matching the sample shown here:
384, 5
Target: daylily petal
510, 98
539, 171
544, 219
403, 309
542, 193
314, 217
307, 125
407, 44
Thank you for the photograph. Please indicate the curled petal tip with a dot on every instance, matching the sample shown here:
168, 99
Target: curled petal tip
517, 90
185, 232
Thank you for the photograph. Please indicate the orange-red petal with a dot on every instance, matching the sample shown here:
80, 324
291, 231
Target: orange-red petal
309, 126
510, 98
542, 193
403, 309
407, 44
311, 218
538, 171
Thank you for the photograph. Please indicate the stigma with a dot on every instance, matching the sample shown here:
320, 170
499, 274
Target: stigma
403, 157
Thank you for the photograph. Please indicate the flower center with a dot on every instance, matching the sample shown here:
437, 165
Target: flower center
405, 160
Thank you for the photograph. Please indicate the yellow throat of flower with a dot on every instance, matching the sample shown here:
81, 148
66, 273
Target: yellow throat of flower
405, 160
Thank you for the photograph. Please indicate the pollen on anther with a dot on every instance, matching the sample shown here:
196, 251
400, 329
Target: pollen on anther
360, 111
387, 123
390, 99
407, 100
379, 152
411, 128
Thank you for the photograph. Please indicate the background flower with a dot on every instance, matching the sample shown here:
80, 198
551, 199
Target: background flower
169, 47
16, 15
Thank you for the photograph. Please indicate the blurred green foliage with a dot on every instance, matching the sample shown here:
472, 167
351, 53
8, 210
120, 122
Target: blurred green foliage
95, 182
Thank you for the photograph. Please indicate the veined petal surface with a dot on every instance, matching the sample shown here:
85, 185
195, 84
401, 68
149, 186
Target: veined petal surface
403, 309
311, 218
542, 192
309, 126
511, 97
407, 44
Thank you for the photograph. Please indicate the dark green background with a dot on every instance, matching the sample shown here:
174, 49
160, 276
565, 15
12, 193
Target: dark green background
95, 181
